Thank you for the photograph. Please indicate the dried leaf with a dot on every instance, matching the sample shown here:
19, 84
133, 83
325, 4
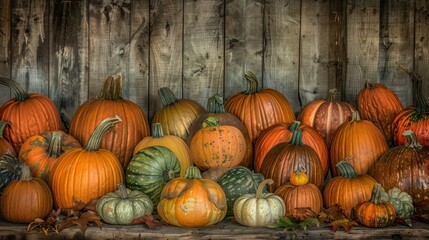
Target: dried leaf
149, 220
300, 214
344, 223
291, 225
331, 214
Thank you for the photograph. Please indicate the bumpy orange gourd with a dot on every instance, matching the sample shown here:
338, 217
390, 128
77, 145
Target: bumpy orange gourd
133, 128
5, 146
41, 151
378, 104
86, 173
217, 145
26, 199
191, 201
27, 114
259, 108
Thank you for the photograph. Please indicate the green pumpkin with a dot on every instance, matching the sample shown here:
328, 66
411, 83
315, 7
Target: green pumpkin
402, 201
238, 181
123, 206
150, 169
10, 169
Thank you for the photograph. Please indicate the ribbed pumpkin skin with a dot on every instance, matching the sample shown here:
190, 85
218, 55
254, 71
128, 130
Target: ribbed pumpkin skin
280, 132
359, 139
259, 109
10, 169
380, 105
5, 146
304, 196
326, 115
41, 151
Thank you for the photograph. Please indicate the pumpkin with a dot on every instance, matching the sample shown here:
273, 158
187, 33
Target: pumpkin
282, 132
414, 117
214, 173
326, 115
88, 172
217, 145
192, 201
176, 144
360, 139
5, 146
258, 108
10, 169
401, 201
41, 151
237, 181
216, 109
348, 189
259, 209
378, 104
133, 128
284, 158
27, 114
176, 115
405, 167
26, 199
123, 206
299, 193
376, 212
151, 169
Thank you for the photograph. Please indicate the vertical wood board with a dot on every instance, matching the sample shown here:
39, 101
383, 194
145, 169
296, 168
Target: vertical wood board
5, 63
421, 49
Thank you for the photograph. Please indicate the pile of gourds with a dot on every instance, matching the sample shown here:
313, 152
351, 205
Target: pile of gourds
249, 157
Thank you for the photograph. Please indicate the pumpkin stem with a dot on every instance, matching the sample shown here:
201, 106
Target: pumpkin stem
376, 193
261, 187
168, 175
422, 106
157, 130
26, 174
332, 94
95, 139
210, 122
193, 172
412, 141
55, 149
301, 168
355, 117
20, 93
252, 83
369, 84
296, 137
294, 125
346, 169
122, 190
3, 124
166, 96
215, 104
112, 89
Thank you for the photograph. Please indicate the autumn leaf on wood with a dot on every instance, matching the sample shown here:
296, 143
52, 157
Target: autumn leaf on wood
149, 220
344, 223
291, 225
300, 214
331, 214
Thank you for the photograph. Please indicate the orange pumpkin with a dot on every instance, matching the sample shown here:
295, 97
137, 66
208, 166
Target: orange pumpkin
41, 151
26, 199
326, 115
217, 145
192, 201
5, 146
27, 114
259, 109
133, 128
86, 173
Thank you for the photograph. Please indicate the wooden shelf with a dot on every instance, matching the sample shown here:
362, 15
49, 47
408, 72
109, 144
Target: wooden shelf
227, 229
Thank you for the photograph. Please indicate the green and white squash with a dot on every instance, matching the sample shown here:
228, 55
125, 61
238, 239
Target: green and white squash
10, 169
150, 169
402, 201
123, 206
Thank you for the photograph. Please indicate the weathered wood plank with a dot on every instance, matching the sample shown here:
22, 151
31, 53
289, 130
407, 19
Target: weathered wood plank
314, 80
166, 48
363, 35
5, 63
203, 49
281, 57
421, 58
68, 85
244, 43
397, 46
30, 57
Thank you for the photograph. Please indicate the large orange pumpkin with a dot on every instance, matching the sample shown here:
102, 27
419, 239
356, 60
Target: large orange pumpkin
326, 115
282, 132
359, 139
86, 173
133, 128
5, 146
258, 108
41, 151
380, 105
27, 114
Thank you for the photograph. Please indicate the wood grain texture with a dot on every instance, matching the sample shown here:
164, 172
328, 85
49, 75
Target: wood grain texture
421, 42
363, 36
5, 64
244, 44
165, 49
281, 57
203, 50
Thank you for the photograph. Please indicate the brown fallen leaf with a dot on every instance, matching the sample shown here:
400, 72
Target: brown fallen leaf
344, 223
149, 220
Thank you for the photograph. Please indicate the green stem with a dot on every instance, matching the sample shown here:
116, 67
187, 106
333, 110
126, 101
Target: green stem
122, 190
296, 137
332, 95
210, 122
376, 193
261, 187
166, 96
20, 93
112, 89
215, 104
193, 172
355, 117
369, 84
294, 125
26, 174
157, 130
252, 82
3, 124
346, 169
95, 139
55, 145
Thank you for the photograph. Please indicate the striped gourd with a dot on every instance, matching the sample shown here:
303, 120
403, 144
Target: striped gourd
10, 169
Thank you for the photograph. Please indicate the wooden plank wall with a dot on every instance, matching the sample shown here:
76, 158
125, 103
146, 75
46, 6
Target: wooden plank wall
65, 49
